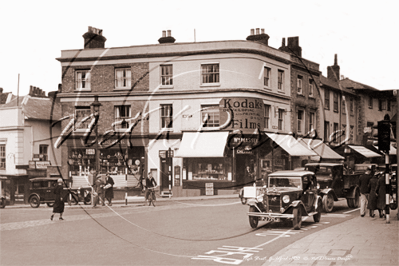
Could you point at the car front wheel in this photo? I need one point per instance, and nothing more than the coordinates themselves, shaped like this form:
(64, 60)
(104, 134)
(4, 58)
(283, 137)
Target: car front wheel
(253, 220)
(297, 221)
(34, 202)
(328, 202)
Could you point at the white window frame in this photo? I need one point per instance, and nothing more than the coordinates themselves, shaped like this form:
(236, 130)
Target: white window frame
(212, 77)
(299, 84)
(311, 88)
(267, 115)
(124, 79)
(85, 111)
(335, 101)
(82, 83)
(119, 117)
(327, 99)
(166, 116)
(312, 121)
(212, 111)
(280, 119)
(166, 75)
(301, 120)
(266, 76)
(370, 102)
(3, 157)
(280, 80)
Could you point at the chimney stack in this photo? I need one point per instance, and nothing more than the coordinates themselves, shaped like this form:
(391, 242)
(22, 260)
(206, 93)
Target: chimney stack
(166, 37)
(333, 71)
(94, 38)
(260, 37)
(292, 46)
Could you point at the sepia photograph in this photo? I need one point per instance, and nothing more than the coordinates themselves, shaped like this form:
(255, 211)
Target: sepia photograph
(199, 133)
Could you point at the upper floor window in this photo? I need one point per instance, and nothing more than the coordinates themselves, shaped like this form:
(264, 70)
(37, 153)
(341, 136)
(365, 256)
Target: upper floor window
(381, 105)
(388, 105)
(2, 156)
(300, 121)
(122, 113)
(335, 99)
(352, 128)
(167, 75)
(210, 113)
(82, 80)
(43, 152)
(327, 99)
(343, 106)
(166, 116)
(210, 73)
(82, 112)
(336, 133)
(280, 80)
(370, 102)
(280, 119)
(266, 77)
(267, 116)
(311, 88)
(299, 84)
(326, 131)
(311, 121)
(123, 78)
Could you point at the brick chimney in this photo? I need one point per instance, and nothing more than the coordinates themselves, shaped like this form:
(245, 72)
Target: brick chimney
(333, 71)
(166, 37)
(94, 38)
(259, 37)
(292, 47)
(36, 92)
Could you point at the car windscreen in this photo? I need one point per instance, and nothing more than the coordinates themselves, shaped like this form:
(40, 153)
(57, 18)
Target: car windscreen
(319, 169)
(285, 181)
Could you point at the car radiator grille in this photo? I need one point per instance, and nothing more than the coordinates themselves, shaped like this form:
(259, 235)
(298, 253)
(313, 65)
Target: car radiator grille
(274, 203)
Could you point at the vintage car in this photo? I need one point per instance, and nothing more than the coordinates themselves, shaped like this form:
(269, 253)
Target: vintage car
(288, 195)
(42, 191)
(334, 184)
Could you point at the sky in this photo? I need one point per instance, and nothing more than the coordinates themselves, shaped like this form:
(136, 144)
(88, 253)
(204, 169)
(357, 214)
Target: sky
(364, 34)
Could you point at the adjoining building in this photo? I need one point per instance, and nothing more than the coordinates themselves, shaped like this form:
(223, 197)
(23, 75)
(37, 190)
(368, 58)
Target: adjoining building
(26, 131)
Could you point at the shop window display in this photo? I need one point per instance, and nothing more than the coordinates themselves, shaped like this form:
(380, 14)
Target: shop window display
(208, 168)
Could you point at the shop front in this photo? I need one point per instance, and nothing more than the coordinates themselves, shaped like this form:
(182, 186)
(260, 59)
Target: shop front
(124, 161)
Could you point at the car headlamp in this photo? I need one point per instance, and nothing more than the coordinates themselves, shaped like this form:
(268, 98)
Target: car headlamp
(286, 198)
(318, 186)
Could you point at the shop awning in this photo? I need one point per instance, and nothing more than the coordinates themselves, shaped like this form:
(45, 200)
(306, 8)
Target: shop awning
(323, 150)
(392, 149)
(291, 145)
(364, 151)
(204, 144)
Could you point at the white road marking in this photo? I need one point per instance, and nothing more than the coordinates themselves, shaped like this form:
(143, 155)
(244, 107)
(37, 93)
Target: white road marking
(352, 210)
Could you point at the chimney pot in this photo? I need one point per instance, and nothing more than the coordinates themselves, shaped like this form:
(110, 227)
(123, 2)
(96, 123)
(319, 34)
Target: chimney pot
(94, 38)
(163, 33)
(1, 90)
(263, 31)
(257, 31)
(252, 32)
(169, 33)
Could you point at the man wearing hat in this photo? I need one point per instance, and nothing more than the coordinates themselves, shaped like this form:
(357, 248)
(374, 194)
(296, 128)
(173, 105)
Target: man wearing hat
(364, 189)
(109, 188)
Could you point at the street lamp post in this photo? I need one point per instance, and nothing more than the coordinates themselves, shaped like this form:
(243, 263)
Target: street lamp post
(96, 111)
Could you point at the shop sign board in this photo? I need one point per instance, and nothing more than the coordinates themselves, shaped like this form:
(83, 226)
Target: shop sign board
(247, 114)
(42, 164)
(209, 189)
(32, 164)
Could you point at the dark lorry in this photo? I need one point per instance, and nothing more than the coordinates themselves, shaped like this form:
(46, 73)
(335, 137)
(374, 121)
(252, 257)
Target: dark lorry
(334, 183)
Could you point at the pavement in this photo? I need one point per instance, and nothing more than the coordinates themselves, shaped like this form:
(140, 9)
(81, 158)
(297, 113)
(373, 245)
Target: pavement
(359, 241)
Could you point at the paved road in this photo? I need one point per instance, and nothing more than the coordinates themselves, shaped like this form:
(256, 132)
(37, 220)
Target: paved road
(211, 232)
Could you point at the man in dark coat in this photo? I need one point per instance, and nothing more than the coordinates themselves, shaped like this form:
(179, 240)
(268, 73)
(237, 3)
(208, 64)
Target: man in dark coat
(98, 191)
(364, 190)
(372, 202)
(381, 201)
(109, 188)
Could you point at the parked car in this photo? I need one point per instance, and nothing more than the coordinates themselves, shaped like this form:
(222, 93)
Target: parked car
(289, 195)
(42, 191)
(334, 184)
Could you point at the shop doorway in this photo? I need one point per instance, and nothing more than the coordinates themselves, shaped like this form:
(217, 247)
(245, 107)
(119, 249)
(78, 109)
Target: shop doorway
(164, 178)
(242, 161)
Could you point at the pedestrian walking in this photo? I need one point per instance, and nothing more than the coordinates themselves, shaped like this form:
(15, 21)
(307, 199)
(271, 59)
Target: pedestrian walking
(109, 188)
(372, 202)
(98, 191)
(364, 190)
(59, 203)
(381, 194)
(249, 176)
